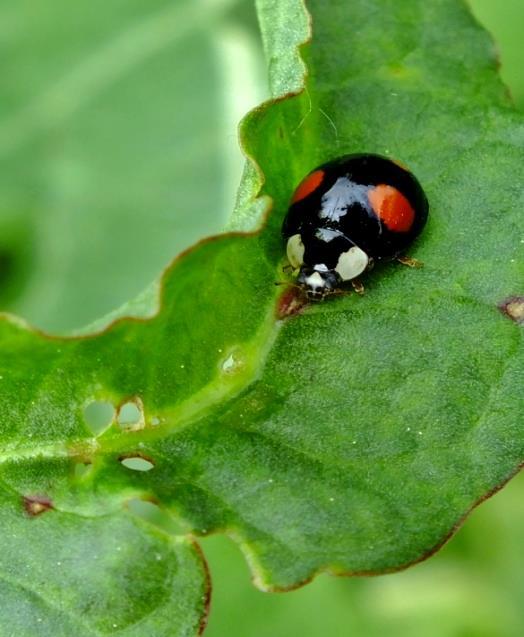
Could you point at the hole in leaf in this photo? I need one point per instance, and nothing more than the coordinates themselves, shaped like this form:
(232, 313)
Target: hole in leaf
(137, 463)
(98, 415)
(131, 415)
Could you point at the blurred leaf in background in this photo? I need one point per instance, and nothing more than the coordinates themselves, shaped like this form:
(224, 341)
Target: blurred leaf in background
(118, 149)
(117, 144)
(506, 22)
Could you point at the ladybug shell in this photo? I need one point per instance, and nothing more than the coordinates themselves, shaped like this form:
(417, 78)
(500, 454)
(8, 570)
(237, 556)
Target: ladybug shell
(375, 203)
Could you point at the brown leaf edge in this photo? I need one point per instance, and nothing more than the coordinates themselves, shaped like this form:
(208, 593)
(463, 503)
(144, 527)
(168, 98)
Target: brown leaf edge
(207, 595)
(258, 582)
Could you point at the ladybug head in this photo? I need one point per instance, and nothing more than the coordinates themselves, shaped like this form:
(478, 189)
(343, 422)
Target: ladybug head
(318, 283)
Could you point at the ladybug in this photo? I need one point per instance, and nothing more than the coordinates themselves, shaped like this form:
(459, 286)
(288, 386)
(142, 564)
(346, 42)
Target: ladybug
(345, 215)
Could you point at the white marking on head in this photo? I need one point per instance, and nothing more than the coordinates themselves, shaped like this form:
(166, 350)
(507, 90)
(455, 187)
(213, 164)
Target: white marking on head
(315, 281)
(351, 263)
(295, 251)
(320, 267)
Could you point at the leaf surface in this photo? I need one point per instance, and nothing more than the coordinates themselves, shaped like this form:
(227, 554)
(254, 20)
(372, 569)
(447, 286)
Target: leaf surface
(352, 437)
(62, 574)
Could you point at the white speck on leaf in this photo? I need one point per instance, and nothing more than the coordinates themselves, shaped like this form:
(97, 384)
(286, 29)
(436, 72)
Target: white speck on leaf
(229, 363)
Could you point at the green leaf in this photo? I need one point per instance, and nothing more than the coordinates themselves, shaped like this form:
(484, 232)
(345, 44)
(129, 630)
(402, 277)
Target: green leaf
(284, 26)
(471, 587)
(352, 437)
(62, 574)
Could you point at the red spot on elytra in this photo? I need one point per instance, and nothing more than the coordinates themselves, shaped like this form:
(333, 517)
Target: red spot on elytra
(392, 208)
(36, 505)
(309, 185)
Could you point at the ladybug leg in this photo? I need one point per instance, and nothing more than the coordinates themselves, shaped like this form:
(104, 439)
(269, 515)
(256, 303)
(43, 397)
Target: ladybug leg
(339, 292)
(358, 286)
(411, 263)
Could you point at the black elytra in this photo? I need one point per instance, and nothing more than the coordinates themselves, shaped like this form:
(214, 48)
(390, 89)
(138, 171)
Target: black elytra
(347, 213)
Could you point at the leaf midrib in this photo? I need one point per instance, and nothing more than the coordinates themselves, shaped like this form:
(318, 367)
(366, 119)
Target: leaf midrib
(115, 439)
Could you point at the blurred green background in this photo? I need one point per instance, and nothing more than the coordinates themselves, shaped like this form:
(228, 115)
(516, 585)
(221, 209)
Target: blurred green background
(118, 149)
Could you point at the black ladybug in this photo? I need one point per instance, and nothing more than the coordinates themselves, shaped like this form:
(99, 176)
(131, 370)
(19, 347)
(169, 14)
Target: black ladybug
(347, 213)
